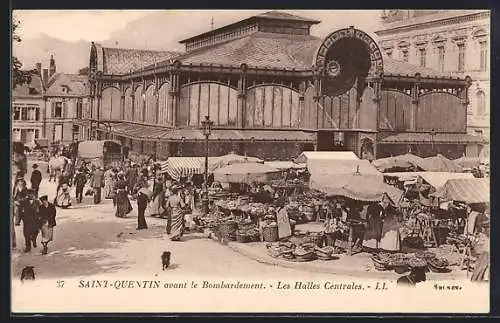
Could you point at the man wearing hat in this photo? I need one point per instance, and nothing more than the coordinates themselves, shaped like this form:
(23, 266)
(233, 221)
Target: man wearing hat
(29, 217)
(47, 217)
(36, 179)
(97, 183)
(80, 181)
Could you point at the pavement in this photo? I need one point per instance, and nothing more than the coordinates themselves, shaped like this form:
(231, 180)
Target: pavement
(90, 241)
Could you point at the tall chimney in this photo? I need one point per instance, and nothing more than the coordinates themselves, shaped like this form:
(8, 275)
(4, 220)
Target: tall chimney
(45, 77)
(38, 67)
(52, 67)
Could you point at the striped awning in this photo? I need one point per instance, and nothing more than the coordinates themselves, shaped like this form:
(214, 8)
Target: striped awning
(177, 167)
(473, 190)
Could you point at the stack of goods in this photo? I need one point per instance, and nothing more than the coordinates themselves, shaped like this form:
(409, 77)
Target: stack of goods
(386, 261)
(325, 253)
(304, 252)
(247, 232)
(281, 250)
(300, 253)
(316, 238)
(434, 263)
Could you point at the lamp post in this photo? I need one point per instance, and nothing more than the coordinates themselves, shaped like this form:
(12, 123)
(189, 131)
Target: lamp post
(207, 129)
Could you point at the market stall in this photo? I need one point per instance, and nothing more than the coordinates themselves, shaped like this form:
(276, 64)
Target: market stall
(404, 162)
(247, 173)
(440, 163)
(467, 190)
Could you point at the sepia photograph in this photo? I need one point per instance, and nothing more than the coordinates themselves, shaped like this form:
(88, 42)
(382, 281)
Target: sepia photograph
(250, 161)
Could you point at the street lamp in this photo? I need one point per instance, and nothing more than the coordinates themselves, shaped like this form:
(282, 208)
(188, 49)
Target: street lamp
(207, 129)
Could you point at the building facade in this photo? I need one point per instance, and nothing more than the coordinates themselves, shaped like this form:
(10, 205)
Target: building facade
(274, 90)
(65, 98)
(28, 108)
(456, 43)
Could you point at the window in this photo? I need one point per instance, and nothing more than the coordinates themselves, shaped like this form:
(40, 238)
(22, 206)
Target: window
(405, 55)
(58, 110)
(461, 57)
(58, 134)
(441, 58)
(423, 54)
(483, 63)
(37, 133)
(24, 113)
(17, 113)
(481, 103)
(79, 109)
(478, 133)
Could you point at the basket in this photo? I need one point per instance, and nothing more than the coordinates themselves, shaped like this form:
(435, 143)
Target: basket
(303, 238)
(228, 228)
(243, 238)
(270, 234)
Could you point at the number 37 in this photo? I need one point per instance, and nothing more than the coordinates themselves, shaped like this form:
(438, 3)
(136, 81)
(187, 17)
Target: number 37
(60, 283)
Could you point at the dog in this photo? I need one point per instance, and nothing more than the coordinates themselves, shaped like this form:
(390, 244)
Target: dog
(28, 273)
(165, 259)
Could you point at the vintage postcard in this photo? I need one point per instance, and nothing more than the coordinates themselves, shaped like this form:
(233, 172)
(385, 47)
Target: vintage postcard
(253, 161)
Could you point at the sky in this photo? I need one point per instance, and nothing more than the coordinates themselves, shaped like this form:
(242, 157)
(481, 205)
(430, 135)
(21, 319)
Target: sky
(99, 25)
(75, 25)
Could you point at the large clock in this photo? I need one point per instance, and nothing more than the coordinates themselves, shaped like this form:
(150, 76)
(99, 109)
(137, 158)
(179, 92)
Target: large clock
(333, 68)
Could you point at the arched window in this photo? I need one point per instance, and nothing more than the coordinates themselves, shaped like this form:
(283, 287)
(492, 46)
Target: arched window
(481, 103)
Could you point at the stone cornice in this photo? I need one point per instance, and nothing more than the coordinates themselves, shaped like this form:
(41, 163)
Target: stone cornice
(436, 23)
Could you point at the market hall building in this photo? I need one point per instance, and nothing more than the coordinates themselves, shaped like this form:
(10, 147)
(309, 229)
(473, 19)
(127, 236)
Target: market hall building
(273, 90)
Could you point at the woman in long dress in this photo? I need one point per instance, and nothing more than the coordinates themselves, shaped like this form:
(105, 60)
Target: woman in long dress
(109, 183)
(391, 237)
(373, 232)
(175, 228)
(63, 198)
(121, 200)
(158, 198)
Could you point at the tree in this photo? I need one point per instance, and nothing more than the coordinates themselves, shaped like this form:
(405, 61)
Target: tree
(84, 71)
(19, 76)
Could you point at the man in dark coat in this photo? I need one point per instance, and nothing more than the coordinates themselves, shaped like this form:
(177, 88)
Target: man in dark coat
(36, 179)
(80, 181)
(29, 217)
(97, 183)
(18, 195)
(47, 218)
(132, 175)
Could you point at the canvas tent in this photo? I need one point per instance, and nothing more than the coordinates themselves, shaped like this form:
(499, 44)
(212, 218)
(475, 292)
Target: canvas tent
(246, 173)
(285, 165)
(307, 156)
(440, 163)
(471, 190)
(402, 161)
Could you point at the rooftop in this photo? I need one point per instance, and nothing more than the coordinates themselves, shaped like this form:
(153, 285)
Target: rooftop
(439, 16)
(271, 15)
(68, 85)
(32, 89)
(124, 60)
(280, 51)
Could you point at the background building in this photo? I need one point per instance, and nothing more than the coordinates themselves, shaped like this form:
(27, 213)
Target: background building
(274, 90)
(456, 43)
(65, 98)
(28, 108)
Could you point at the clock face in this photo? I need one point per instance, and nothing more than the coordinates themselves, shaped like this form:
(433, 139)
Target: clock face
(333, 68)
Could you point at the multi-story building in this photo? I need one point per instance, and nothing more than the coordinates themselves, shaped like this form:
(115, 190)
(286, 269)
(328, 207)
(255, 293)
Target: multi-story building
(273, 90)
(28, 108)
(453, 42)
(65, 98)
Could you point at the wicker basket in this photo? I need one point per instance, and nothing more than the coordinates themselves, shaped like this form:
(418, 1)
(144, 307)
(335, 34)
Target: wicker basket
(303, 238)
(270, 234)
(228, 228)
(243, 238)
